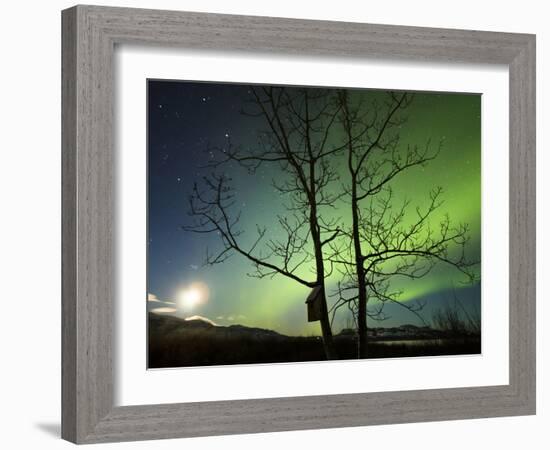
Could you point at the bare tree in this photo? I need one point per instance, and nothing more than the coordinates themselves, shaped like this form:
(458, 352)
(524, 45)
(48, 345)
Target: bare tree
(456, 320)
(298, 139)
(386, 240)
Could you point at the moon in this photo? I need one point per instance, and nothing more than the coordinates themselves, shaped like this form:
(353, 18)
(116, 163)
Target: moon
(192, 296)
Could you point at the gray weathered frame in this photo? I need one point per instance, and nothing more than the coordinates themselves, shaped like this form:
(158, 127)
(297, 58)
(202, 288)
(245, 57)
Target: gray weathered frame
(89, 36)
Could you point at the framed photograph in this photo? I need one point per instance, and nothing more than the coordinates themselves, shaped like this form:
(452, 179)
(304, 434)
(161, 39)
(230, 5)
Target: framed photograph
(256, 207)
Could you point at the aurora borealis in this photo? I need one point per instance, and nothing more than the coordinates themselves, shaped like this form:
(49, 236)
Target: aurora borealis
(187, 119)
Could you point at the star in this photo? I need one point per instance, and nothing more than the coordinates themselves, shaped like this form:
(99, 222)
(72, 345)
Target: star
(179, 179)
(160, 106)
(226, 135)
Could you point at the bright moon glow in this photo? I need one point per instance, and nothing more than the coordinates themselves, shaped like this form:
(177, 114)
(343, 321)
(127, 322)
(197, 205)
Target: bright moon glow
(194, 295)
(191, 297)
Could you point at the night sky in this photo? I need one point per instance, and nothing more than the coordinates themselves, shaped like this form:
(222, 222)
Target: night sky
(186, 119)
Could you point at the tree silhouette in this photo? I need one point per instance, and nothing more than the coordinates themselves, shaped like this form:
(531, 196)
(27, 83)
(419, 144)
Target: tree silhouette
(298, 139)
(306, 131)
(386, 241)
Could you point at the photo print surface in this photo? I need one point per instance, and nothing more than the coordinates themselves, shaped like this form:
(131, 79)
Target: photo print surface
(292, 224)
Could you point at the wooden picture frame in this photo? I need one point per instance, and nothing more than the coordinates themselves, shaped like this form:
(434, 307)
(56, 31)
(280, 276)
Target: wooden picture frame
(90, 34)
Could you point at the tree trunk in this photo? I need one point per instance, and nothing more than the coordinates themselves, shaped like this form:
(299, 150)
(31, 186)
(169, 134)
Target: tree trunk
(362, 322)
(328, 342)
(360, 272)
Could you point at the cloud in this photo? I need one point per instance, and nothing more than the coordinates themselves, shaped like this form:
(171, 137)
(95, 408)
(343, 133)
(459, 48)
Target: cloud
(158, 306)
(163, 310)
(153, 298)
(231, 317)
(204, 319)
